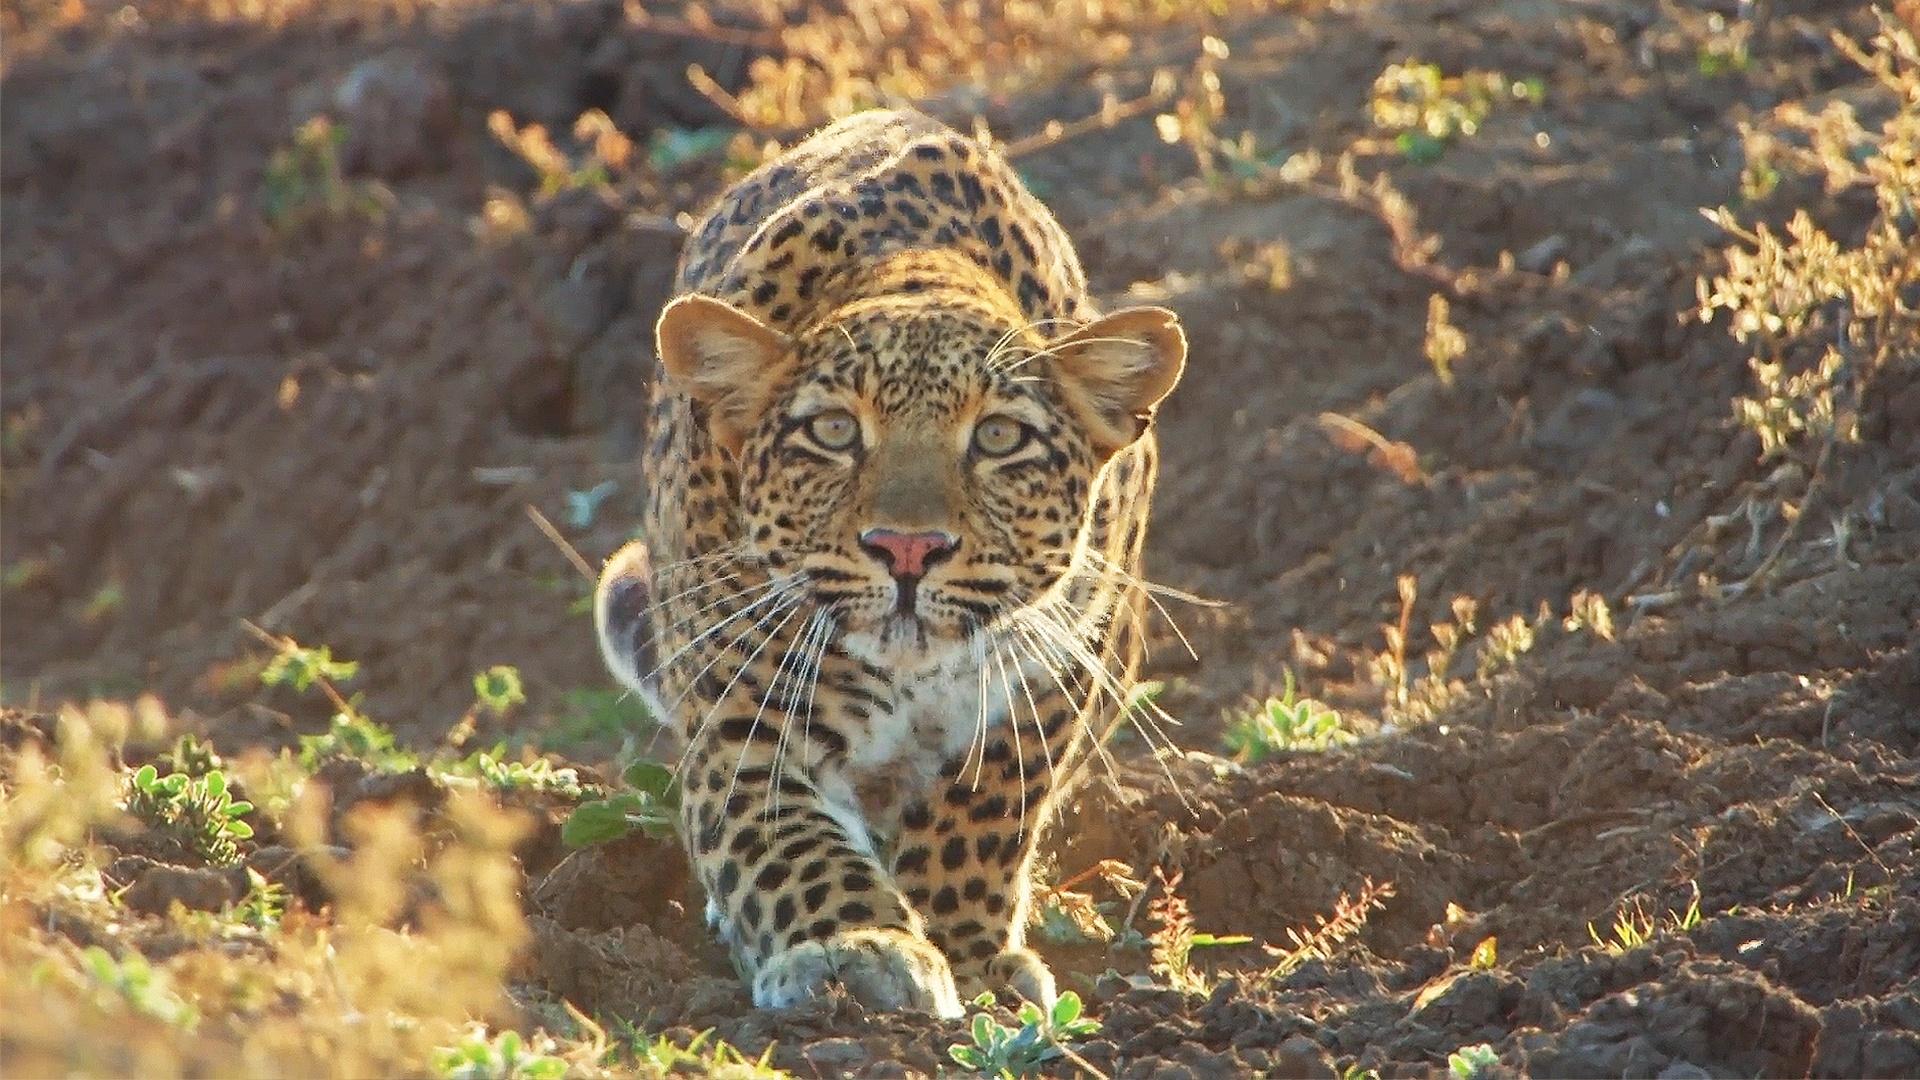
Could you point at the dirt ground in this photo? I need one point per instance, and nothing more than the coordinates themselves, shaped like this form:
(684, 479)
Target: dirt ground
(332, 425)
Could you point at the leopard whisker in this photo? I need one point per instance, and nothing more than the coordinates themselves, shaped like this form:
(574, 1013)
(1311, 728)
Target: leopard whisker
(1013, 726)
(1054, 350)
(724, 551)
(746, 745)
(789, 603)
(773, 588)
(809, 655)
(979, 740)
(813, 685)
(1033, 706)
(1079, 696)
(1045, 620)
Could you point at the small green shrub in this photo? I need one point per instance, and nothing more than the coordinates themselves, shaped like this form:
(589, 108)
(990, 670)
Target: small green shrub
(131, 980)
(352, 735)
(300, 667)
(702, 1056)
(1633, 926)
(305, 180)
(494, 768)
(1471, 1062)
(1425, 109)
(1288, 722)
(999, 1050)
(507, 1057)
(498, 689)
(650, 804)
(197, 814)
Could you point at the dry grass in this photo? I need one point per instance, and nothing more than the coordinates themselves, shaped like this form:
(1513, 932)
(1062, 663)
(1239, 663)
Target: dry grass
(374, 985)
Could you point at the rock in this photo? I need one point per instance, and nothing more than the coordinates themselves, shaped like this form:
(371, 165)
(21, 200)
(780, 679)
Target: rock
(1581, 421)
(1541, 257)
(397, 110)
(157, 886)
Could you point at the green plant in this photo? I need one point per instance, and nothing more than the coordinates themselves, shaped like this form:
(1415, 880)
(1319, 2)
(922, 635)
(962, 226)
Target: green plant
(1350, 915)
(1444, 342)
(607, 150)
(133, 981)
(1424, 109)
(300, 667)
(1470, 1062)
(1825, 315)
(198, 814)
(498, 689)
(703, 1055)
(1422, 699)
(352, 735)
(1633, 926)
(264, 904)
(23, 573)
(1288, 722)
(595, 715)
(190, 756)
(1173, 939)
(106, 600)
(1065, 916)
(1725, 51)
(1506, 642)
(305, 180)
(1001, 1050)
(650, 804)
(507, 1057)
(493, 767)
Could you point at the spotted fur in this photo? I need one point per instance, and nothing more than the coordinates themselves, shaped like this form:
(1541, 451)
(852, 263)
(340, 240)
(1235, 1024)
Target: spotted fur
(883, 330)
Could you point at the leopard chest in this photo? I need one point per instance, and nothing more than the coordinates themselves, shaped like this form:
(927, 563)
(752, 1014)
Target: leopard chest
(935, 717)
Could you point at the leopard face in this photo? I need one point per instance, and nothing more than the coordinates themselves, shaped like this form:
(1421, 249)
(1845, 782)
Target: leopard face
(926, 466)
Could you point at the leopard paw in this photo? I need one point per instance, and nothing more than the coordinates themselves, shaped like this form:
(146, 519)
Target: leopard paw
(1018, 970)
(882, 969)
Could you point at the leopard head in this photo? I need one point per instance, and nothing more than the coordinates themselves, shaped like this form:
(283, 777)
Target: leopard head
(927, 462)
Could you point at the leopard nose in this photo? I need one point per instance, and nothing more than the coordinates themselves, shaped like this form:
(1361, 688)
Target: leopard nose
(908, 554)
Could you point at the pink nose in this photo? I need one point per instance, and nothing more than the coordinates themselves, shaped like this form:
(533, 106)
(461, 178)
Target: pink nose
(908, 554)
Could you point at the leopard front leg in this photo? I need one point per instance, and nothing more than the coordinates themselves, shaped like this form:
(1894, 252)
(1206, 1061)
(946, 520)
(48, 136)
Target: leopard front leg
(796, 890)
(964, 856)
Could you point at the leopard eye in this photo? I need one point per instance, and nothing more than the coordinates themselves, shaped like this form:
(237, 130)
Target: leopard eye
(835, 429)
(998, 436)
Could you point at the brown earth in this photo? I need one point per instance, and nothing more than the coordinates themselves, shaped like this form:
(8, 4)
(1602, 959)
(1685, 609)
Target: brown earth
(332, 426)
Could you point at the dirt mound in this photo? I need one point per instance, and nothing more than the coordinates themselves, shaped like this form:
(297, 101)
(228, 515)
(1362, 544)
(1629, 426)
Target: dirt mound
(314, 375)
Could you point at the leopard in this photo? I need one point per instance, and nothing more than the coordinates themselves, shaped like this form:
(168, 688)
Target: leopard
(886, 589)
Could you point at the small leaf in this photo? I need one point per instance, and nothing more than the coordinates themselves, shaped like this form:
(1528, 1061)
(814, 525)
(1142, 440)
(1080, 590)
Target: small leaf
(595, 822)
(982, 1029)
(1066, 1009)
(649, 777)
(145, 777)
(239, 830)
(1486, 955)
(216, 783)
(1216, 940)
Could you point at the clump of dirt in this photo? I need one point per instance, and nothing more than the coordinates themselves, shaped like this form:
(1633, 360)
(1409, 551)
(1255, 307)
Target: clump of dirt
(323, 398)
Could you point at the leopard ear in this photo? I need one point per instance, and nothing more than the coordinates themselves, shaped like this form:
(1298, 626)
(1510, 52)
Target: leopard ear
(1117, 369)
(723, 358)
